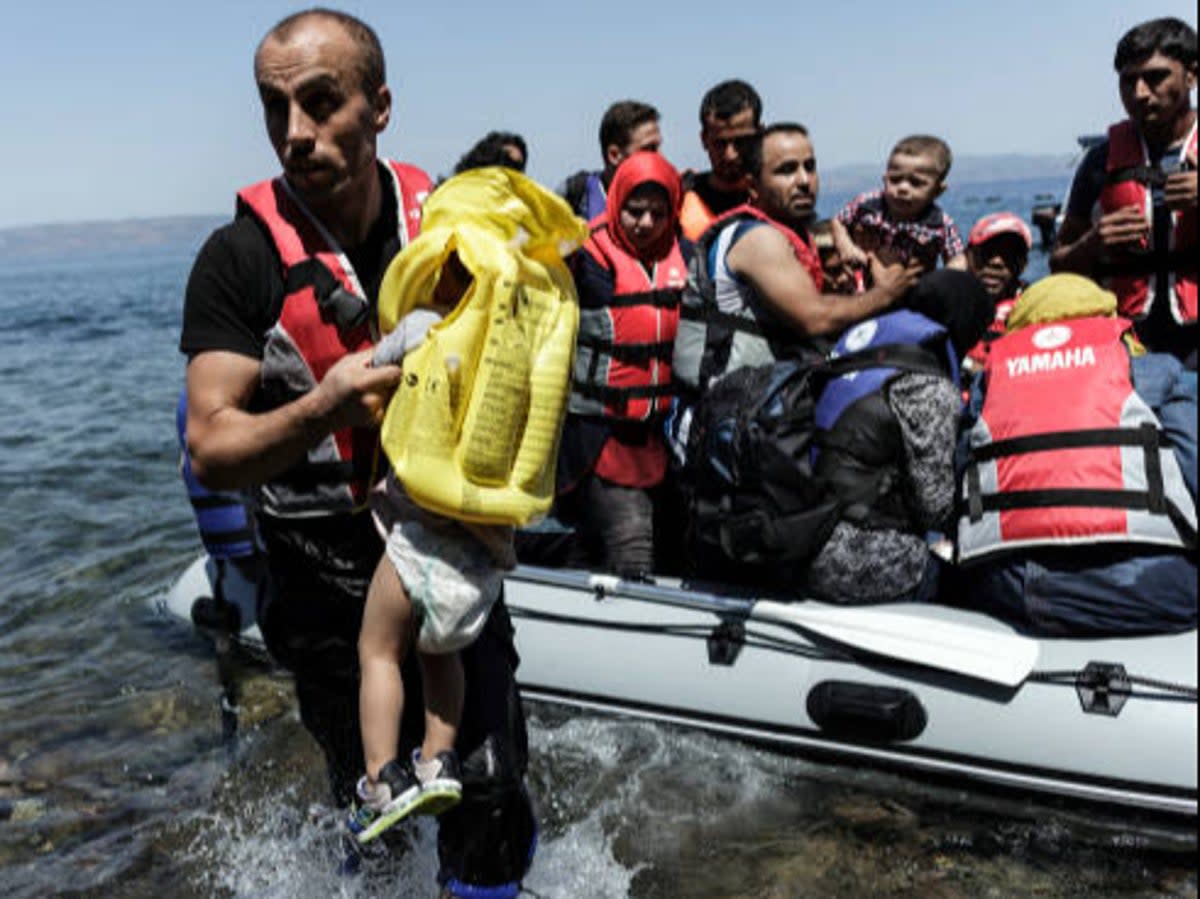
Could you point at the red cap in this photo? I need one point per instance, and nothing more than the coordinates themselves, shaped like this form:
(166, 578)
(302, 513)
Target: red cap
(1000, 223)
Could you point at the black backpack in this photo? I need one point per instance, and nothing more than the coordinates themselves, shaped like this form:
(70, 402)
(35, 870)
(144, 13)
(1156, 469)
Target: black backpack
(759, 512)
(574, 191)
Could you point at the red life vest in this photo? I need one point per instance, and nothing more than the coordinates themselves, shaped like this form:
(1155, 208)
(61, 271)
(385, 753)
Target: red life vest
(711, 342)
(623, 350)
(978, 353)
(326, 315)
(1044, 470)
(1127, 172)
(805, 249)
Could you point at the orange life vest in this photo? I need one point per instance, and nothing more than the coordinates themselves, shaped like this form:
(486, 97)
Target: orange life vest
(978, 353)
(694, 216)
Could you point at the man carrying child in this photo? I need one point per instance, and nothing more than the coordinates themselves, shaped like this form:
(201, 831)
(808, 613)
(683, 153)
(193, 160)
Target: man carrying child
(282, 399)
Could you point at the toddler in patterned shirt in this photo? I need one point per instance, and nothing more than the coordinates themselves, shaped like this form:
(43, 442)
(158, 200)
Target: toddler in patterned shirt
(903, 221)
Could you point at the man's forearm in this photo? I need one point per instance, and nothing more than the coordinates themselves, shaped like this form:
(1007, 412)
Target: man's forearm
(1076, 249)
(834, 313)
(234, 449)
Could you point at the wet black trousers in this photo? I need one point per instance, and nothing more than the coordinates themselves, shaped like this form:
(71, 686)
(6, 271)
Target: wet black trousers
(310, 618)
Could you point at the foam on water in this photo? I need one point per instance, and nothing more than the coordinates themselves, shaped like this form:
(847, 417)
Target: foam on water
(617, 795)
(633, 808)
(616, 799)
(580, 863)
(271, 849)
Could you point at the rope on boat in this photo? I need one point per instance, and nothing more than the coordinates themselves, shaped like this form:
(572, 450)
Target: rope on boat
(1065, 677)
(1071, 678)
(751, 638)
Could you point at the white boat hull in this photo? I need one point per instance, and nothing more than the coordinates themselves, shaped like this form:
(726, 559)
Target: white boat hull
(703, 659)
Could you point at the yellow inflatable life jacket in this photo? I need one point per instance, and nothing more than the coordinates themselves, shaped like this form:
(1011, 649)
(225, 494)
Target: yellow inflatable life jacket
(472, 431)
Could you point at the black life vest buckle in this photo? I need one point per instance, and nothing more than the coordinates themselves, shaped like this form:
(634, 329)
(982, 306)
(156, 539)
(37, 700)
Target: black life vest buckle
(336, 305)
(344, 309)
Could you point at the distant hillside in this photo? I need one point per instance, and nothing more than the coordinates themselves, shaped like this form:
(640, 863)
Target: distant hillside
(185, 232)
(966, 170)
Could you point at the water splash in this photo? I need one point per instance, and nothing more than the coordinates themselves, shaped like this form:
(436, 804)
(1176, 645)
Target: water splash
(272, 849)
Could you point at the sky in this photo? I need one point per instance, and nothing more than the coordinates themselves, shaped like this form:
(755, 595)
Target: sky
(132, 108)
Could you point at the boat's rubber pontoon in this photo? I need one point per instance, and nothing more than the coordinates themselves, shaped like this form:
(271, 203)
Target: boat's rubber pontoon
(923, 688)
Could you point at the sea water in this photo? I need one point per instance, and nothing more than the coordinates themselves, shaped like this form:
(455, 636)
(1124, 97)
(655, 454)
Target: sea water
(115, 780)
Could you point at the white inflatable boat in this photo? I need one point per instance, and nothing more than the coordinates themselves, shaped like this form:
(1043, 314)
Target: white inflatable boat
(923, 688)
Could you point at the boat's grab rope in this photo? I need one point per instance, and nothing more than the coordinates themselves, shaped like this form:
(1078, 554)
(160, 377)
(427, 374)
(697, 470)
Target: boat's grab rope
(749, 637)
(1065, 677)
(1071, 678)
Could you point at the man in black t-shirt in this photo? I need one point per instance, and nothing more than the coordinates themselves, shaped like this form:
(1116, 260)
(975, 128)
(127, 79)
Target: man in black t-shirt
(1131, 212)
(278, 328)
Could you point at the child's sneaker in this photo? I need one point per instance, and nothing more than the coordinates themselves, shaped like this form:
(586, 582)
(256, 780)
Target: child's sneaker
(399, 794)
(380, 806)
(439, 777)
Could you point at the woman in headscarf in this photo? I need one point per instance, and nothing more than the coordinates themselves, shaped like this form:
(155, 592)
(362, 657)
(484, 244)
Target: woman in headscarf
(630, 276)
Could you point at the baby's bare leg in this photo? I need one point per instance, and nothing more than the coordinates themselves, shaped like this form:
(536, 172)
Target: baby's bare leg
(442, 676)
(382, 645)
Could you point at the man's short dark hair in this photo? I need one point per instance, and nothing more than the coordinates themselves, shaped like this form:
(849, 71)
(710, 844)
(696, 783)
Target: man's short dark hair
(492, 149)
(729, 98)
(621, 120)
(372, 72)
(926, 145)
(752, 150)
(1171, 37)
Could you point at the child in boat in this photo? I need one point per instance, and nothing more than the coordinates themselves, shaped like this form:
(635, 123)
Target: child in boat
(997, 252)
(436, 583)
(839, 275)
(903, 221)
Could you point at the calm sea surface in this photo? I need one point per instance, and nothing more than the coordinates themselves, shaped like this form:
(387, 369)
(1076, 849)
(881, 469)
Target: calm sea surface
(113, 777)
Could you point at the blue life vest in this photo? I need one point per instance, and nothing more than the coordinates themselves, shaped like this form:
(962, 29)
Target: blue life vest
(594, 198)
(899, 328)
(223, 517)
(859, 445)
